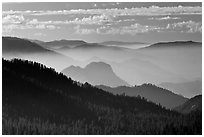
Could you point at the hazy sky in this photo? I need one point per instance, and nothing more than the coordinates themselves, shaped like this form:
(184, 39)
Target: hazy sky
(97, 22)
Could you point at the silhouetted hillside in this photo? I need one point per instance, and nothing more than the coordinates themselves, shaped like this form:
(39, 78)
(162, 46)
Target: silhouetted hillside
(193, 104)
(95, 73)
(13, 45)
(151, 92)
(37, 100)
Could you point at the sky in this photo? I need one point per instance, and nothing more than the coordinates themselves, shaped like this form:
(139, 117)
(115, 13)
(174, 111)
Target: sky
(103, 21)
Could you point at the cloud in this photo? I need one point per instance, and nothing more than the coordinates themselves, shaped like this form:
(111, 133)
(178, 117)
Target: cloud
(9, 28)
(142, 11)
(52, 27)
(138, 28)
(186, 26)
(106, 19)
(83, 31)
(35, 21)
(102, 19)
(129, 20)
(132, 29)
(95, 5)
(91, 20)
(43, 26)
(125, 20)
(165, 18)
(12, 22)
(13, 19)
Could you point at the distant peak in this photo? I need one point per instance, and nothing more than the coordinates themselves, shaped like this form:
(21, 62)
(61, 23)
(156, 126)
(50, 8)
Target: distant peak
(99, 66)
(74, 67)
(100, 63)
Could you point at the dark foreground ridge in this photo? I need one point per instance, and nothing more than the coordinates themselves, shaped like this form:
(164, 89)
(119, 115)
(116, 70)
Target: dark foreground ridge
(38, 100)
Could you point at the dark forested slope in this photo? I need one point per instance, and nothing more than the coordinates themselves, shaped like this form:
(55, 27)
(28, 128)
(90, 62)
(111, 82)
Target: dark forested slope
(37, 100)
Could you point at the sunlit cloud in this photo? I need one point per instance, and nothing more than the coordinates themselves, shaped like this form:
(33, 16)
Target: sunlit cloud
(142, 11)
(12, 22)
(165, 18)
(95, 5)
(91, 20)
(83, 31)
(11, 27)
(186, 26)
(132, 29)
(13, 19)
(106, 20)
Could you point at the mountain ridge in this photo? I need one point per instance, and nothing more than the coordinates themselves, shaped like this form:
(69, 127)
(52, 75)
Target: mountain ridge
(95, 73)
(13, 47)
(173, 44)
(14, 44)
(153, 93)
(120, 43)
(63, 43)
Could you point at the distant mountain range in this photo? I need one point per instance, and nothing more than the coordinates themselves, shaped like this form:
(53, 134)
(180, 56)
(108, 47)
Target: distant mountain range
(121, 43)
(63, 43)
(193, 104)
(187, 89)
(17, 45)
(181, 58)
(175, 44)
(73, 48)
(151, 92)
(95, 73)
(13, 47)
